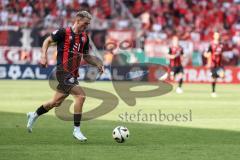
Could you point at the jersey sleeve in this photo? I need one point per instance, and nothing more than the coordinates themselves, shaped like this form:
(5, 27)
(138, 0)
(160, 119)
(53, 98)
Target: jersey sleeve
(181, 51)
(86, 46)
(58, 35)
(209, 49)
(169, 50)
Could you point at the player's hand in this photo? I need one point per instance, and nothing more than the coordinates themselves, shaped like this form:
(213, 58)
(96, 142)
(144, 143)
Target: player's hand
(43, 62)
(101, 69)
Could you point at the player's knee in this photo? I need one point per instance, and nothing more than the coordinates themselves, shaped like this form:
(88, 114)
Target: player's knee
(222, 75)
(180, 75)
(81, 97)
(213, 79)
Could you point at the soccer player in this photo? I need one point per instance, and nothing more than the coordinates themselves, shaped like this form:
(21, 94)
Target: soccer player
(214, 57)
(175, 55)
(72, 44)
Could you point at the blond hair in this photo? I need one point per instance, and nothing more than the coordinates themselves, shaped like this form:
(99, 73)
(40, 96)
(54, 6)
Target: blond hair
(83, 14)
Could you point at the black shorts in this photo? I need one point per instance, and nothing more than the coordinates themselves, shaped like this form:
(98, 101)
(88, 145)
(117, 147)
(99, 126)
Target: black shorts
(65, 81)
(176, 70)
(215, 71)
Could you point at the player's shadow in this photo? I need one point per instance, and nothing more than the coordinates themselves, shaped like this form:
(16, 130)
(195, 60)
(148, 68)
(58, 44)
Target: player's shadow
(51, 134)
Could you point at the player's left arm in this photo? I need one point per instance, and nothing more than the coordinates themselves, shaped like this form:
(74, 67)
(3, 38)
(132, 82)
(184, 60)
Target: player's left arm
(92, 59)
(208, 52)
(182, 54)
(169, 55)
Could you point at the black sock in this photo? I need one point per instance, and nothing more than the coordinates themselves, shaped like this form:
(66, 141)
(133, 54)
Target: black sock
(213, 86)
(77, 118)
(41, 110)
(180, 83)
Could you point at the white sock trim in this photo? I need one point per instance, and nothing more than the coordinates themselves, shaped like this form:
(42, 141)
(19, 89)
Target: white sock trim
(77, 128)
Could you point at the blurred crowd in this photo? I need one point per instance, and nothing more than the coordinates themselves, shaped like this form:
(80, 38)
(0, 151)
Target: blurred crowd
(160, 19)
(48, 13)
(191, 20)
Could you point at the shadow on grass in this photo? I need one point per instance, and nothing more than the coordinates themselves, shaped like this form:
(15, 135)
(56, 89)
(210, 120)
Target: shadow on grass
(51, 131)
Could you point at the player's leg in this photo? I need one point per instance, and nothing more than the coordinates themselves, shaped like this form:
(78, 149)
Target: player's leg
(172, 73)
(79, 97)
(179, 74)
(221, 72)
(56, 101)
(216, 73)
(180, 82)
(214, 81)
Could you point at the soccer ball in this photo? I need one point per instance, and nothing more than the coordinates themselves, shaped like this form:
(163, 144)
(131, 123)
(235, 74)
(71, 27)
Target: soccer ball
(120, 134)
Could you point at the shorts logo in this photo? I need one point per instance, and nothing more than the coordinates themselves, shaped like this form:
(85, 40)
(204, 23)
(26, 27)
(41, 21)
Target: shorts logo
(83, 39)
(71, 80)
(54, 32)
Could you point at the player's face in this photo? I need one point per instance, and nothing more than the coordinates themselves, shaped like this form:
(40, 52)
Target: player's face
(175, 41)
(216, 36)
(82, 23)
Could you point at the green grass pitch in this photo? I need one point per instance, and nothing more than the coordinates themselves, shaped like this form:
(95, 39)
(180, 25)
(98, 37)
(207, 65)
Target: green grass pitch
(213, 133)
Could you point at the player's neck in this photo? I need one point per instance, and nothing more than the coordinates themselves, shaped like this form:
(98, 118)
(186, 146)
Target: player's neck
(216, 41)
(175, 46)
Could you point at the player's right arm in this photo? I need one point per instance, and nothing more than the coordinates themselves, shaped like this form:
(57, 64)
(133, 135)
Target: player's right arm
(45, 46)
(170, 55)
(55, 37)
(208, 52)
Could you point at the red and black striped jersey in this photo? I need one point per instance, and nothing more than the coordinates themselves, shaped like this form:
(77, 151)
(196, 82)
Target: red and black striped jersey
(176, 50)
(216, 54)
(70, 49)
